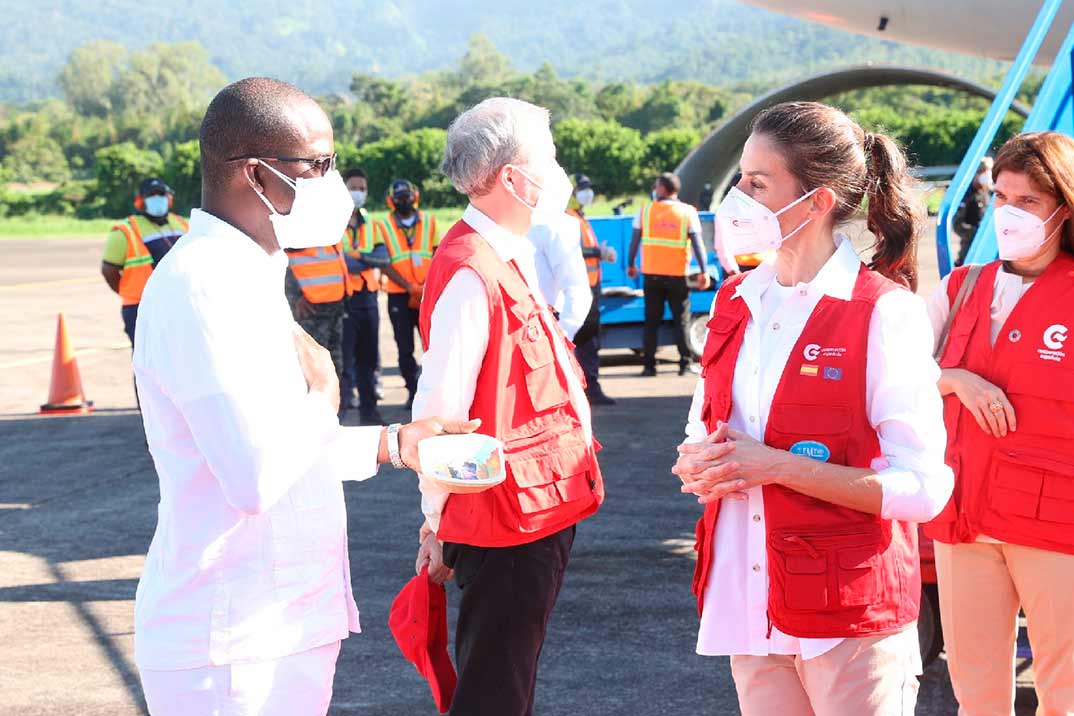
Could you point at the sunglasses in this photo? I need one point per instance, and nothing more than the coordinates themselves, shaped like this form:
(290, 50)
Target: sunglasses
(323, 165)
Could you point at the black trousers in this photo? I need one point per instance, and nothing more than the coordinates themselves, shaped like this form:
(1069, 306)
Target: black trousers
(361, 352)
(673, 291)
(507, 598)
(404, 323)
(587, 344)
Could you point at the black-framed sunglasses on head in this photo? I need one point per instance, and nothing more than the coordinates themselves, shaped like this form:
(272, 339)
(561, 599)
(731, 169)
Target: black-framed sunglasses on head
(323, 165)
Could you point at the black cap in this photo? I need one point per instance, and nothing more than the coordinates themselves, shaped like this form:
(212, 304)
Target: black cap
(152, 186)
(581, 181)
(401, 187)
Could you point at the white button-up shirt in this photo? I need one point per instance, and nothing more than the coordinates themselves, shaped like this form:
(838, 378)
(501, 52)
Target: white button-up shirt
(249, 559)
(459, 337)
(561, 269)
(904, 407)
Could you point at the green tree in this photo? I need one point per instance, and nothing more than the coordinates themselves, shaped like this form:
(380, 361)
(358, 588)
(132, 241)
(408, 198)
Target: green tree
(182, 171)
(120, 169)
(618, 99)
(35, 157)
(89, 78)
(483, 63)
(610, 154)
(163, 80)
(665, 148)
(415, 156)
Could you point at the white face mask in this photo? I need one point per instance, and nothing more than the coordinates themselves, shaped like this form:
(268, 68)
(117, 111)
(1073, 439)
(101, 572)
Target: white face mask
(359, 198)
(1020, 234)
(554, 194)
(319, 213)
(584, 196)
(749, 227)
(156, 206)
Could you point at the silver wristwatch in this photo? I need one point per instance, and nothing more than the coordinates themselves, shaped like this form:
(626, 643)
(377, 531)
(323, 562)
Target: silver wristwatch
(393, 445)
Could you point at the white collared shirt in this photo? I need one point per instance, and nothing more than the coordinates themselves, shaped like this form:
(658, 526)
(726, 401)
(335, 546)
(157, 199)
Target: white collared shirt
(561, 269)
(904, 407)
(459, 337)
(249, 559)
(1007, 291)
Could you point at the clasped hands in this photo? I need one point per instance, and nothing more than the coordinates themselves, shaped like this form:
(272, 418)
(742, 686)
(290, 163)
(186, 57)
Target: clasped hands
(725, 464)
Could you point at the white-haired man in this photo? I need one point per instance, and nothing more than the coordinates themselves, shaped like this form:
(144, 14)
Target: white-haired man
(494, 350)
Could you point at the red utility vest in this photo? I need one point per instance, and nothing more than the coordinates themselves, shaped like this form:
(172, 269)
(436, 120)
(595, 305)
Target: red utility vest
(1020, 488)
(522, 397)
(833, 571)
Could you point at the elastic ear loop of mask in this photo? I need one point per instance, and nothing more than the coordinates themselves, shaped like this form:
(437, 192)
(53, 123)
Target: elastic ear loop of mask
(286, 180)
(797, 201)
(518, 198)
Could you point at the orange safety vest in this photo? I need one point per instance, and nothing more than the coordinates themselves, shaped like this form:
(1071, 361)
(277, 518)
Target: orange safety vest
(321, 273)
(665, 246)
(589, 241)
(356, 243)
(410, 260)
(138, 264)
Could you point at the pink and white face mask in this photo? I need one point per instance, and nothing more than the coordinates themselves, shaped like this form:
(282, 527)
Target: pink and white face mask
(1019, 233)
(749, 227)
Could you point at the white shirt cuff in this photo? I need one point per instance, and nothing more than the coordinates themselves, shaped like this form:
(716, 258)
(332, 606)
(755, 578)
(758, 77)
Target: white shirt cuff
(909, 496)
(356, 452)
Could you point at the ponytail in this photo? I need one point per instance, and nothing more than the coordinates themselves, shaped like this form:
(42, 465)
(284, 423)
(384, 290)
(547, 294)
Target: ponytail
(821, 146)
(894, 216)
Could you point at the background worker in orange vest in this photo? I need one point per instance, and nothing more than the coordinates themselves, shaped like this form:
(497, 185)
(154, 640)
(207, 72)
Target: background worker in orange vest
(138, 243)
(587, 339)
(361, 326)
(666, 229)
(411, 238)
(317, 285)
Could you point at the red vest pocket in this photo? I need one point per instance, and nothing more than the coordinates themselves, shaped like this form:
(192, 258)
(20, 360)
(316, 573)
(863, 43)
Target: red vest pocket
(543, 383)
(1043, 399)
(1031, 498)
(859, 576)
(814, 428)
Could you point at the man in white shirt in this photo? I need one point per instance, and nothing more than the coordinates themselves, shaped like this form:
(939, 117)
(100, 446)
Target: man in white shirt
(246, 595)
(561, 273)
(494, 352)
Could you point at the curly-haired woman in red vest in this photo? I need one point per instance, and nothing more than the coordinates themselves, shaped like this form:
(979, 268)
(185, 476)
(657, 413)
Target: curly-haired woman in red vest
(1006, 538)
(816, 437)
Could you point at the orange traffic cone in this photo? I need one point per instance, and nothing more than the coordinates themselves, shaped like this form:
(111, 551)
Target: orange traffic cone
(65, 392)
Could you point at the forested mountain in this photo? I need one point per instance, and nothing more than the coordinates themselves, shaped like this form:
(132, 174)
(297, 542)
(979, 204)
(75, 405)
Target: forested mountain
(320, 44)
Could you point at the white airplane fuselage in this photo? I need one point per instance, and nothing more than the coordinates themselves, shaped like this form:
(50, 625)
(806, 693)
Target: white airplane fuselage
(988, 28)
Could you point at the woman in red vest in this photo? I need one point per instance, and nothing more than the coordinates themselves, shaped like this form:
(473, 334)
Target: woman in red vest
(815, 440)
(1006, 539)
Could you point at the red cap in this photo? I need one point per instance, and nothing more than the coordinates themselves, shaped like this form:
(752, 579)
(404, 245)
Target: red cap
(418, 621)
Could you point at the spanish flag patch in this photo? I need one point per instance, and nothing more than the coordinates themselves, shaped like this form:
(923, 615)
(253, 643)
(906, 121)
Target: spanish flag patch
(810, 370)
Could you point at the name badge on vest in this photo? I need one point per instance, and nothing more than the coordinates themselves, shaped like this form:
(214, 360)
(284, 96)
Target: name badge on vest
(812, 449)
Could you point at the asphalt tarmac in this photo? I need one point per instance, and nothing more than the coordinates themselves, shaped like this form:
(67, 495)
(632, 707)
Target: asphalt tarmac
(78, 508)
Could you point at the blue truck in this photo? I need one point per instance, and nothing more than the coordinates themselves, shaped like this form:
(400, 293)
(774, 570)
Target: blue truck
(622, 308)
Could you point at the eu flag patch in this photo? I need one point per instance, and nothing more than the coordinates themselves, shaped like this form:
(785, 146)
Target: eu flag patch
(831, 373)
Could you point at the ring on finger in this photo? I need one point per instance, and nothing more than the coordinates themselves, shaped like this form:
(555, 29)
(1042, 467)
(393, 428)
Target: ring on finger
(996, 407)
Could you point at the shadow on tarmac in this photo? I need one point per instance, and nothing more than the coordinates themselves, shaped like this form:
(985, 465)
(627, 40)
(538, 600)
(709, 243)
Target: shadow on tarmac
(621, 640)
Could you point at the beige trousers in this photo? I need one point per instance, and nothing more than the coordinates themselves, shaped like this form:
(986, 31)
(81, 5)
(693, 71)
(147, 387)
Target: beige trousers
(871, 676)
(982, 586)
